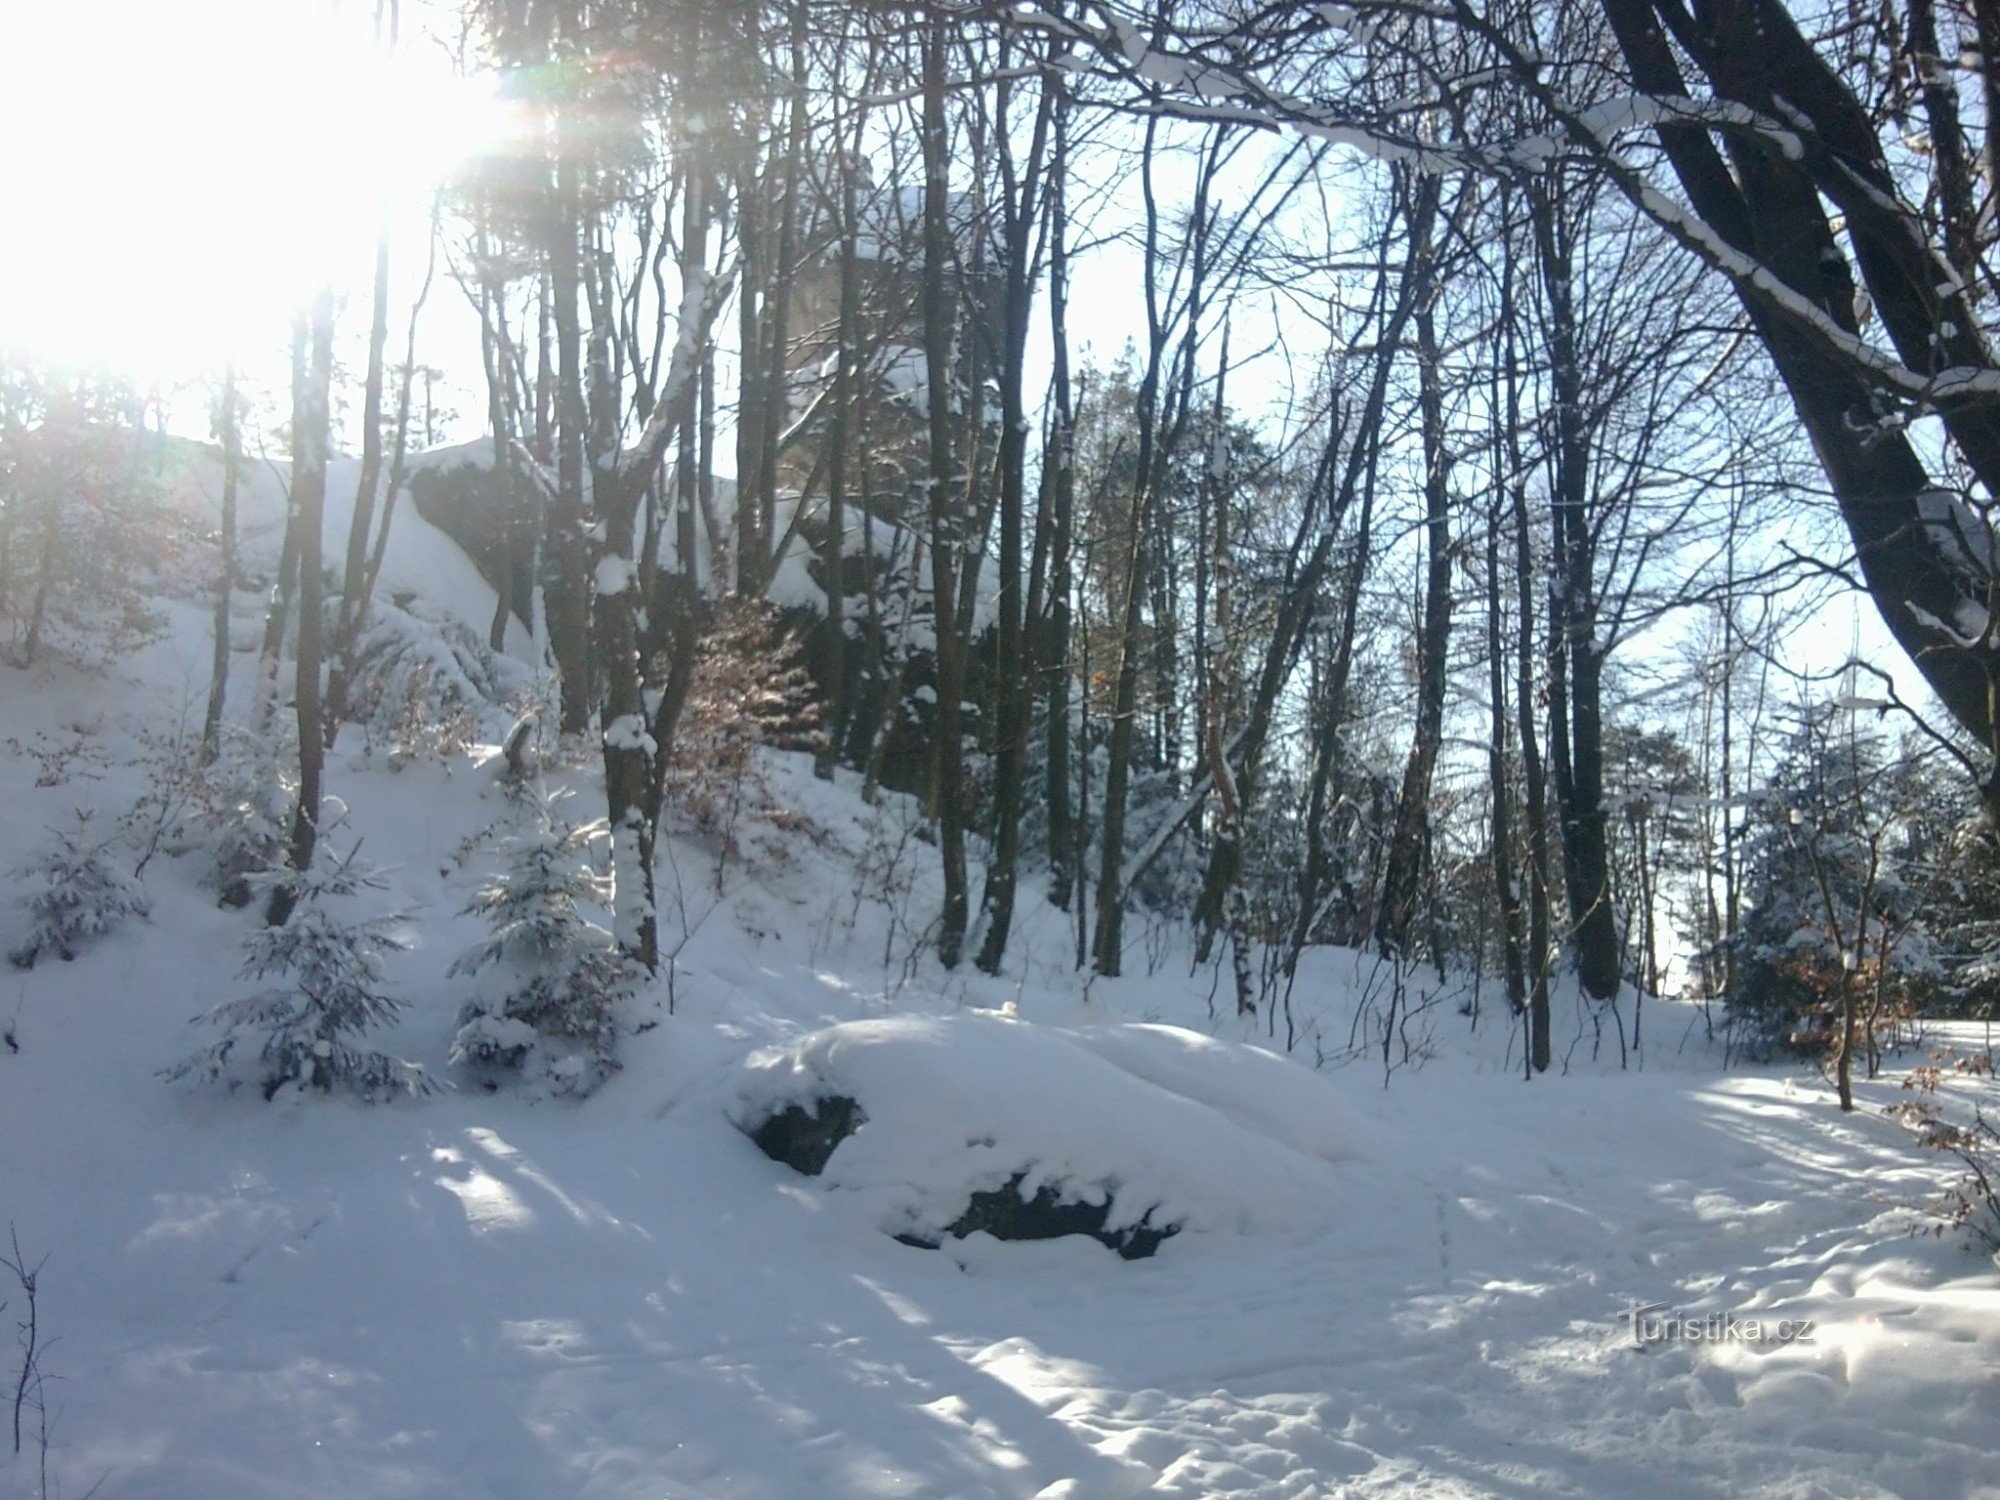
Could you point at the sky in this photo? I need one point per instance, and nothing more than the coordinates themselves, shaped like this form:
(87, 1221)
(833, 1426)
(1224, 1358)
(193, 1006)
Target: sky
(192, 173)
(184, 176)
(179, 177)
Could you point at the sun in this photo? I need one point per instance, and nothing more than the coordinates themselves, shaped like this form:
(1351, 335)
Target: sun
(179, 177)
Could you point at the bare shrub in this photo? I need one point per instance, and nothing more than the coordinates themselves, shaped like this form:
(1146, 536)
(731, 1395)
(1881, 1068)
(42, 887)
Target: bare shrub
(749, 688)
(423, 686)
(1971, 1203)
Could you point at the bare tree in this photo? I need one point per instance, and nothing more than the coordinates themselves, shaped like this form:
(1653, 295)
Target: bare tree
(311, 424)
(1023, 195)
(939, 328)
(227, 419)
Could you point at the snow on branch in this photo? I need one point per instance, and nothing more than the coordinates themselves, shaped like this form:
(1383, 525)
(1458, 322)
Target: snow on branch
(701, 299)
(542, 476)
(1209, 71)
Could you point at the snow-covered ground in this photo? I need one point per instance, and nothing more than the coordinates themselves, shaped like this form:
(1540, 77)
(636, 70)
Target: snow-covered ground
(1415, 1284)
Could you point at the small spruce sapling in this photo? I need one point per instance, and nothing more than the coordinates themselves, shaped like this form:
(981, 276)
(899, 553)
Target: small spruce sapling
(245, 803)
(75, 895)
(299, 1033)
(546, 1008)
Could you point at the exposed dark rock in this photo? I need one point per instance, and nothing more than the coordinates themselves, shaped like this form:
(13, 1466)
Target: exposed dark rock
(1006, 1214)
(488, 512)
(803, 1141)
(516, 750)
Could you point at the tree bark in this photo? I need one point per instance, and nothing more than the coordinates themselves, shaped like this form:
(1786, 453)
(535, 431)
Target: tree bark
(1401, 881)
(1060, 462)
(1771, 209)
(938, 323)
(225, 583)
(1021, 207)
(566, 551)
(353, 600)
(311, 420)
(637, 718)
(1577, 655)
(847, 331)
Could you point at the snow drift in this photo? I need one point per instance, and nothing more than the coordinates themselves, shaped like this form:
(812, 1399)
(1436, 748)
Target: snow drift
(1163, 1127)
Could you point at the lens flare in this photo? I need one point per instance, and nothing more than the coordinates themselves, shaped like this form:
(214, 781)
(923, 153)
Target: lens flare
(179, 177)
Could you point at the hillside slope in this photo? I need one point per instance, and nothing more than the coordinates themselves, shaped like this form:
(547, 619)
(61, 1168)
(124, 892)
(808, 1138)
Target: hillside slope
(1410, 1289)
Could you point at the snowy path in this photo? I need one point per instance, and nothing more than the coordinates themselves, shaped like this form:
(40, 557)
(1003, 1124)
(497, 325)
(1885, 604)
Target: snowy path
(470, 1300)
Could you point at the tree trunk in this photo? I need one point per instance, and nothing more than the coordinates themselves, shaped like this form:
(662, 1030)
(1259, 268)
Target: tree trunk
(846, 332)
(1021, 205)
(637, 718)
(938, 322)
(225, 583)
(1772, 209)
(1218, 688)
(1534, 784)
(566, 551)
(1577, 655)
(1060, 461)
(1402, 880)
(1155, 441)
(399, 454)
(353, 601)
(626, 738)
(1506, 884)
(277, 611)
(311, 420)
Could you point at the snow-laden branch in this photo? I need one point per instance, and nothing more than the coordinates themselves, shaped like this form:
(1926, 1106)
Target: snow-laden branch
(541, 474)
(701, 300)
(1212, 90)
(1197, 793)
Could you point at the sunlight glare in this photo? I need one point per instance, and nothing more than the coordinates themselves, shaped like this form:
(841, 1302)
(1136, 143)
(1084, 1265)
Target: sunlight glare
(179, 177)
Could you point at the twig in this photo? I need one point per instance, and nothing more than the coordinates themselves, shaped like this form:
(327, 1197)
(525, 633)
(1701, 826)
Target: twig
(28, 1384)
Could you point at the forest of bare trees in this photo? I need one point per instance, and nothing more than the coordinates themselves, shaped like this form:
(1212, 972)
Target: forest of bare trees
(1430, 551)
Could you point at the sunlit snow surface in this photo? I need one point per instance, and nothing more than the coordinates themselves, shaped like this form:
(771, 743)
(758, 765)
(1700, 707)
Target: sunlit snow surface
(1415, 1289)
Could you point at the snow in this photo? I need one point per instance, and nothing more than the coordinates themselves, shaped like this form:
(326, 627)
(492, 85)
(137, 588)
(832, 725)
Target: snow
(1410, 1279)
(614, 575)
(629, 732)
(1096, 1115)
(1167, 72)
(420, 562)
(905, 375)
(1694, 235)
(1621, 112)
(1971, 627)
(1961, 531)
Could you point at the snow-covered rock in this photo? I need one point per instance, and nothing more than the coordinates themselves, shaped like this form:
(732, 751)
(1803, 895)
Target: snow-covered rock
(1159, 1125)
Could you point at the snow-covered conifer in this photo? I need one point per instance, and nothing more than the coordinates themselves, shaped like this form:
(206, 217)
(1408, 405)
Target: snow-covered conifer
(1834, 906)
(75, 894)
(549, 978)
(300, 1032)
(248, 822)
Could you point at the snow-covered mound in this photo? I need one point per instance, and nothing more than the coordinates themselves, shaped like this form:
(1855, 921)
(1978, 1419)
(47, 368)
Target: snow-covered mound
(1161, 1125)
